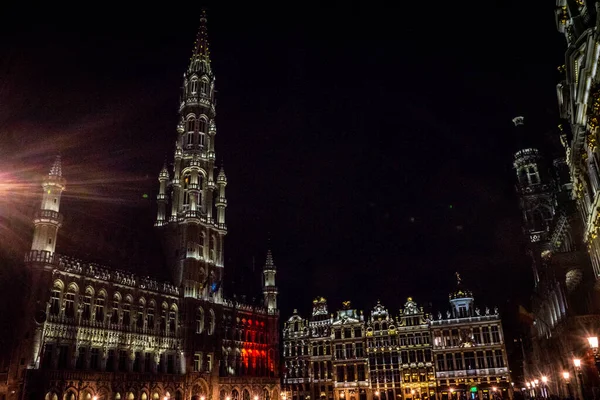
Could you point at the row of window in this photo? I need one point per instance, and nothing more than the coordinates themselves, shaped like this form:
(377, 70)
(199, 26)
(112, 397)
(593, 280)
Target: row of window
(403, 357)
(470, 360)
(476, 335)
(61, 356)
(349, 351)
(402, 340)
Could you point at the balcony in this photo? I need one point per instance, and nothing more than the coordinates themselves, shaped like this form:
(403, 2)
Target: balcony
(41, 256)
(48, 216)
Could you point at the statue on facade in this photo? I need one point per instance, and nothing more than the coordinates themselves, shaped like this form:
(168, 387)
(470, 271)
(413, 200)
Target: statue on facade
(477, 311)
(487, 311)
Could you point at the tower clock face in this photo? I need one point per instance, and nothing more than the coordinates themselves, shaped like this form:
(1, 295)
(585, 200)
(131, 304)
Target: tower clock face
(40, 317)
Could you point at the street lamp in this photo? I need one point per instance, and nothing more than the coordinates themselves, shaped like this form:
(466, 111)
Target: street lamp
(377, 393)
(577, 364)
(566, 377)
(255, 397)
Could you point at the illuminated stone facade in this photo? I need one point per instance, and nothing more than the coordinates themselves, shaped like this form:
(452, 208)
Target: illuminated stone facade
(564, 304)
(95, 333)
(413, 355)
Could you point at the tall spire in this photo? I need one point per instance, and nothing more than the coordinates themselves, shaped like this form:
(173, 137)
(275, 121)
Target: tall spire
(56, 169)
(201, 44)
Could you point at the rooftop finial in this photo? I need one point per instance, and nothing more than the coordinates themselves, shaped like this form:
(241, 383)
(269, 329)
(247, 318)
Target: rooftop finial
(56, 169)
(458, 278)
(201, 45)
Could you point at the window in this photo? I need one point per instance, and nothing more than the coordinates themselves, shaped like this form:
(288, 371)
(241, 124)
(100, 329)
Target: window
(172, 321)
(209, 365)
(495, 334)
(115, 313)
(55, 302)
(480, 360)
(100, 308)
(359, 350)
(340, 373)
(95, 359)
(458, 359)
(533, 175)
(350, 372)
(122, 360)
(347, 333)
(70, 305)
(197, 362)
(489, 357)
(194, 86)
(349, 351)
(486, 334)
(339, 352)
(150, 317)
(204, 86)
(87, 306)
(357, 332)
(126, 314)
(499, 359)
(338, 334)
(211, 326)
(477, 335)
(199, 320)
(170, 364)
(440, 362)
(140, 316)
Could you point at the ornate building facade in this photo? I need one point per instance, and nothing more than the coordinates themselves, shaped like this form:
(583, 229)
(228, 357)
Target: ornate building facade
(412, 355)
(564, 299)
(96, 333)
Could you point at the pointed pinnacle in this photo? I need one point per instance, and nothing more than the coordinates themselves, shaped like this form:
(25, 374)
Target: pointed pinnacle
(201, 45)
(269, 264)
(56, 169)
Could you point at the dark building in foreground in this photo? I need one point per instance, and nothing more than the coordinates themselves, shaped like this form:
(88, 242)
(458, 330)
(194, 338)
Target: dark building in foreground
(460, 354)
(91, 332)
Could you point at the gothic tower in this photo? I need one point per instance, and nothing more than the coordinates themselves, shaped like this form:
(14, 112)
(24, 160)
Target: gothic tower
(195, 227)
(536, 195)
(269, 288)
(47, 219)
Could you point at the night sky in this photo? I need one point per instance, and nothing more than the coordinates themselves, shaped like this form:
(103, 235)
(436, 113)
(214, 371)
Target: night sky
(373, 145)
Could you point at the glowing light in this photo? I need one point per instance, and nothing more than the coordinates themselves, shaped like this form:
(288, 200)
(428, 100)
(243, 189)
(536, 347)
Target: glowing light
(494, 388)
(255, 397)
(593, 340)
(377, 393)
(544, 379)
(527, 384)
(536, 381)
(145, 195)
(566, 375)
(577, 362)
(202, 398)
(451, 390)
(95, 398)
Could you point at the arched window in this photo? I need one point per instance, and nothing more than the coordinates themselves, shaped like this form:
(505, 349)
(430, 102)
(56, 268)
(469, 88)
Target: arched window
(266, 394)
(178, 395)
(172, 320)
(150, 315)
(55, 298)
(222, 395)
(202, 131)
(114, 319)
(204, 86)
(186, 193)
(246, 395)
(70, 302)
(201, 244)
(87, 303)
(99, 307)
(140, 313)
(194, 85)
(127, 311)
(163, 318)
(211, 322)
(213, 248)
(199, 320)
(190, 128)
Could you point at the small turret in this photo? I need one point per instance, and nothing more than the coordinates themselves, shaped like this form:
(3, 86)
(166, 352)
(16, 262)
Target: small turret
(161, 198)
(269, 288)
(47, 219)
(221, 200)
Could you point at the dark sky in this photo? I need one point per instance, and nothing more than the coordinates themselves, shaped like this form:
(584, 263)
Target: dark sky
(373, 143)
